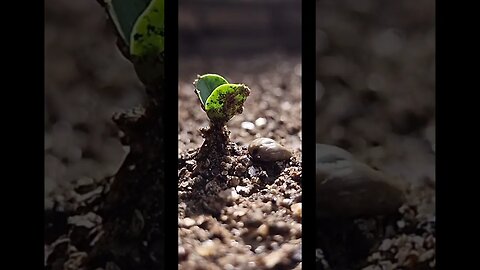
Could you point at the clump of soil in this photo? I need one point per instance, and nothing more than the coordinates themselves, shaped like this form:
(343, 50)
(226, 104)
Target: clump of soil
(235, 213)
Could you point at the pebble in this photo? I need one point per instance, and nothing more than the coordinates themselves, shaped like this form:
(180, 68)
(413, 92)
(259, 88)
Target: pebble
(85, 185)
(273, 259)
(244, 190)
(188, 222)
(427, 255)
(229, 194)
(207, 249)
(88, 221)
(349, 188)
(386, 245)
(248, 125)
(266, 149)
(297, 209)
(262, 230)
(260, 122)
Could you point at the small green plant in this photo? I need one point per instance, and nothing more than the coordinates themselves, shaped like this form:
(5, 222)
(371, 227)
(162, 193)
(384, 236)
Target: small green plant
(140, 26)
(220, 99)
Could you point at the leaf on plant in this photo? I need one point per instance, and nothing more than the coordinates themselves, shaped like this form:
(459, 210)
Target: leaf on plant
(147, 36)
(124, 14)
(226, 101)
(205, 84)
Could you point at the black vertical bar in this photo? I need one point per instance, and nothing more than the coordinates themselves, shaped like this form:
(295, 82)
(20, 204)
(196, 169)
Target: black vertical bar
(308, 131)
(171, 134)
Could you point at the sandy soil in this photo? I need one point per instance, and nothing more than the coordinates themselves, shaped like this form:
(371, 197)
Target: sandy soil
(239, 213)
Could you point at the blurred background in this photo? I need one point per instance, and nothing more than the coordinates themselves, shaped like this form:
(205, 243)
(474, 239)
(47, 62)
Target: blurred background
(86, 81)
(376, 83)
(233, 28)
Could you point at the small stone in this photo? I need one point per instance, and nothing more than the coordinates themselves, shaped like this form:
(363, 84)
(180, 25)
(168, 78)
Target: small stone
(85, 185)
(240, 213)
(260, 249)
(262, 230)
(274, 259)
(88, 221)
(243, 190)
(375, 257)
(240, 169)
(252, 171)
(229, 195)
(286, 202)
(426, 256)
(418, 241)
(260, 122)
(348, 188)
(234, 181)
(297, 209)
(265, 149)
(280, 228)
(206, 249)
(401, 224)
(248, 125)
(386, 245)
(182, 253)
(188, 222)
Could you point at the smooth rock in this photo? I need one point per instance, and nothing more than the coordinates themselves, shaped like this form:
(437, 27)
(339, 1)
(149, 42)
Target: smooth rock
(266, 149)
(347, 188)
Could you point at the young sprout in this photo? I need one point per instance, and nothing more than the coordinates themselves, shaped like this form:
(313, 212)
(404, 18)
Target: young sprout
(220, 99)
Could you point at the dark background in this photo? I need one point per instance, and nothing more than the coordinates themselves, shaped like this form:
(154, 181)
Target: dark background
(214, 28)
(86, 81)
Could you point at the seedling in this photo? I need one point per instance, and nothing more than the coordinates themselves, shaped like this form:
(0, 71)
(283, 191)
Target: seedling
(140, 26)
(220, 99)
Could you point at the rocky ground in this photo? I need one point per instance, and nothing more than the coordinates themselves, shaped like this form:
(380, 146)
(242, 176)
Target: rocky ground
(238, 212)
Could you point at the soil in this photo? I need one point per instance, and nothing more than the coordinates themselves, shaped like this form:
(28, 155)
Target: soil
(236, 212)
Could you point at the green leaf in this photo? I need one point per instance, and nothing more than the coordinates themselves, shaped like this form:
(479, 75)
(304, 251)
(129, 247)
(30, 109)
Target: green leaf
(205, 84)
(124, 14)
(226, 101)
(147, 36)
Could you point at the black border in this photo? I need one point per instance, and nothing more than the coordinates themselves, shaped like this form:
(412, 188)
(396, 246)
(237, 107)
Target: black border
(171, 135)
(23, 113)
(308, 133)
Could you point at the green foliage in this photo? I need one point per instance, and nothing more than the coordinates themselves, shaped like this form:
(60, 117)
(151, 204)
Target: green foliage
(124, 14)
(140, 23)
(205, 84)
(220, 100)
(147, 37)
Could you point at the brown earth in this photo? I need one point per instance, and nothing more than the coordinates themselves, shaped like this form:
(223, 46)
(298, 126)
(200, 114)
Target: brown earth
(236, 212)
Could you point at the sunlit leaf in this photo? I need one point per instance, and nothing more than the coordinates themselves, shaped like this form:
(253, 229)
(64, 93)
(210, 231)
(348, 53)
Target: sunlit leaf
(226, 101)
(205, 84)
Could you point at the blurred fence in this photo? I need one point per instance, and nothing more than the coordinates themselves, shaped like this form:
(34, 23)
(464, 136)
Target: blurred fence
(239, 27)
